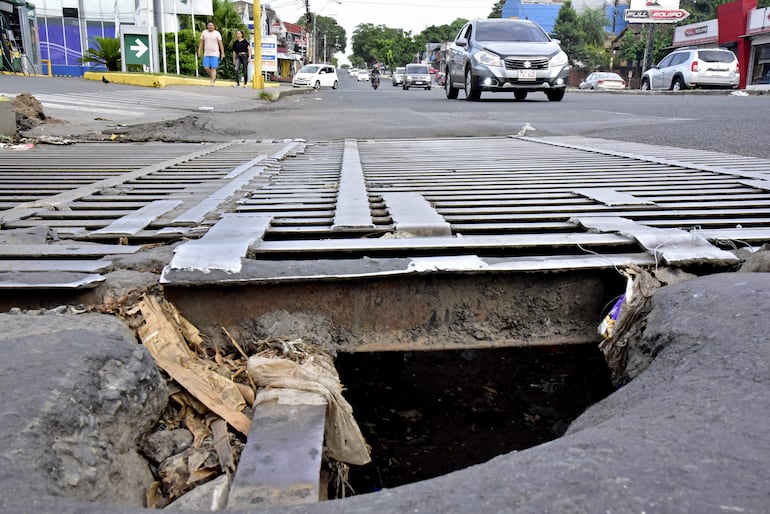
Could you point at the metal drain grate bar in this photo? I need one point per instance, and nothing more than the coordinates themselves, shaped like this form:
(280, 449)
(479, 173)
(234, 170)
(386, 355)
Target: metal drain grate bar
(480, 203)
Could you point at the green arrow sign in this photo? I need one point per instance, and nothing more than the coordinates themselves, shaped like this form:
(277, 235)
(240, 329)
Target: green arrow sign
(137, 49)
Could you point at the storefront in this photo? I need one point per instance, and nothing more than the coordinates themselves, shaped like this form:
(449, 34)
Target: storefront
(758, 34)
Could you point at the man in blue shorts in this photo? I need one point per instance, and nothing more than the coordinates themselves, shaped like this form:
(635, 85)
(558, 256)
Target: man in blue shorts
(212, 48)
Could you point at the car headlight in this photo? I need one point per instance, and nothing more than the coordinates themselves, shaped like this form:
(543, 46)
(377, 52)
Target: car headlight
(559, 59)
(487, 58)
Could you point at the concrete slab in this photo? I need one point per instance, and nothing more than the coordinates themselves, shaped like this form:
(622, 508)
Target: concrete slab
(7, 118)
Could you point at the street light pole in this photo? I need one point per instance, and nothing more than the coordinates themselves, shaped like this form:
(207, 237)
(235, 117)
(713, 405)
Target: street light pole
(315, 33)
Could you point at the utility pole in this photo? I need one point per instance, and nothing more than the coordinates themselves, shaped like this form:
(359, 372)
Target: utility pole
(612, 41)
(649, 48)
(257, 80)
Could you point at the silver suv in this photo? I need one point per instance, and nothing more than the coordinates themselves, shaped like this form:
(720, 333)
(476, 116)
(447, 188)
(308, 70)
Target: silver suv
(505, 55)
(694, 67)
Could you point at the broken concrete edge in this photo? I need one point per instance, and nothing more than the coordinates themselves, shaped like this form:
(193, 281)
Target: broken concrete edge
(686, 435)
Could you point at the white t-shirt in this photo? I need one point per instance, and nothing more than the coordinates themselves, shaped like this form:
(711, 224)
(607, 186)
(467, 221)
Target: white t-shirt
(210, 42)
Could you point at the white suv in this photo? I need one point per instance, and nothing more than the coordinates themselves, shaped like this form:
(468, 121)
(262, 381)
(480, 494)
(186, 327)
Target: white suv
(694, 67)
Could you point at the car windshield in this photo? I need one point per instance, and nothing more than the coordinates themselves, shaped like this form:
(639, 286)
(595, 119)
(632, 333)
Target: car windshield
(418, 69)
(496, 31)
(309, 69)
(608, 76)
(716, 55)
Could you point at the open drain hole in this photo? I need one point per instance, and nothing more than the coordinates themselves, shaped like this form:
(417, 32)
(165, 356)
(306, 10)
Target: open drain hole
(428, 413)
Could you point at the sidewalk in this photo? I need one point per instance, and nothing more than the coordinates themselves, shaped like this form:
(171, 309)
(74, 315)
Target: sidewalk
(274, 89)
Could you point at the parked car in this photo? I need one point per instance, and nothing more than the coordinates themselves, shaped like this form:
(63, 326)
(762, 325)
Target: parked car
(398, 76)
(417, 75)
(362, 75)
(316, 76)
(692, 67)
(603, 80)
(505, 55)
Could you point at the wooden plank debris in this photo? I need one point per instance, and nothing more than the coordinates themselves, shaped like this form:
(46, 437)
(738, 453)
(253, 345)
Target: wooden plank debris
(165, 342)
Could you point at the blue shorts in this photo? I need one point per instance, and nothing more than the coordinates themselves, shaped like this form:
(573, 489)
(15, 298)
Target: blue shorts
(210, 61)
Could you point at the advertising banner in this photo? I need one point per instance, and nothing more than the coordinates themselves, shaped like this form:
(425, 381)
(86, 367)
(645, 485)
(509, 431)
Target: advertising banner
(270, 53)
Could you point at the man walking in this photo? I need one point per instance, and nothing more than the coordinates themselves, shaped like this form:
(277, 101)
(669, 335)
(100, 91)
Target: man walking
(211, 46)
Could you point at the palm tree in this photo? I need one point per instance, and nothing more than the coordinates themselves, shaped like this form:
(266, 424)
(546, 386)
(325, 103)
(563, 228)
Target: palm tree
(106, 51)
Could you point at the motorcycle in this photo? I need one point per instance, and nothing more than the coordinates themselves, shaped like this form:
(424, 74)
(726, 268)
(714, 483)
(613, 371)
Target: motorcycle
(375, 81)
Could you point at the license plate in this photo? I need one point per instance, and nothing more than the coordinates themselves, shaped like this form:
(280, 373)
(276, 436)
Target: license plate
(527, 74)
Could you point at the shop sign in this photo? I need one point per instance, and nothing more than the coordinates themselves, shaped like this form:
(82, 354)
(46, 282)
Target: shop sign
(655, 15)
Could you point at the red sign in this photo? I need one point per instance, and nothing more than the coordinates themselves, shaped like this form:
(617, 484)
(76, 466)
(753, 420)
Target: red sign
(694, 31)
(669, 14)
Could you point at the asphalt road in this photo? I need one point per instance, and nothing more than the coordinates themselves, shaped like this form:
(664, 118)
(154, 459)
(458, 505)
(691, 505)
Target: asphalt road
(714, 120)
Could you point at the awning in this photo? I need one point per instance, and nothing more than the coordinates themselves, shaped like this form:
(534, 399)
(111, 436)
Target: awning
(289, 57)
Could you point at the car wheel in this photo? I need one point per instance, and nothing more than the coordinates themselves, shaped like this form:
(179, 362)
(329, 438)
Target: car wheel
(428, 88)
(334, 86)
(677, 84)
(520, 95)
(451, 91)
(555, 95)
(645, 85)
(472, 93)
(406, 88)
(317, 84)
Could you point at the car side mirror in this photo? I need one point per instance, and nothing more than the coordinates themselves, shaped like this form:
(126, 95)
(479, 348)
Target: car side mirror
(557, 41)
(461, 41)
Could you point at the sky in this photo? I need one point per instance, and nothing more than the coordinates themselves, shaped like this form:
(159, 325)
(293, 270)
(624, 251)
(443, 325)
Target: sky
(410, 15)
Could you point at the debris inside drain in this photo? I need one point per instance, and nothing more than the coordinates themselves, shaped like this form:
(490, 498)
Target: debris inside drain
(213, 391)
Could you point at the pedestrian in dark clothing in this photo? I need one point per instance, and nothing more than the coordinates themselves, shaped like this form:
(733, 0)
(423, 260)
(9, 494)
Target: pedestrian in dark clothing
(241, 58)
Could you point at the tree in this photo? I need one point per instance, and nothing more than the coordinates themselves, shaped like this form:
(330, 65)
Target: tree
(106, 51)
(378, 43)
(336, 37)
(634, 42)
(592, 23)
(497, 9)
(438, 34)
(567, 29)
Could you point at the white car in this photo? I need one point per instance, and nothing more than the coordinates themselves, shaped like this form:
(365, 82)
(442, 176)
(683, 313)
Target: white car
(362, 75)
(603, 80)
(692, 67)
(316, 76)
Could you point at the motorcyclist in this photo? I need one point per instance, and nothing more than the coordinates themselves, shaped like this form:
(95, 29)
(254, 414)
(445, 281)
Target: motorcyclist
(375, 74)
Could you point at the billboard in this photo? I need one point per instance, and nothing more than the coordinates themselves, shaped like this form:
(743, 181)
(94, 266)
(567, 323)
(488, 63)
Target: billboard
(654, 11)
